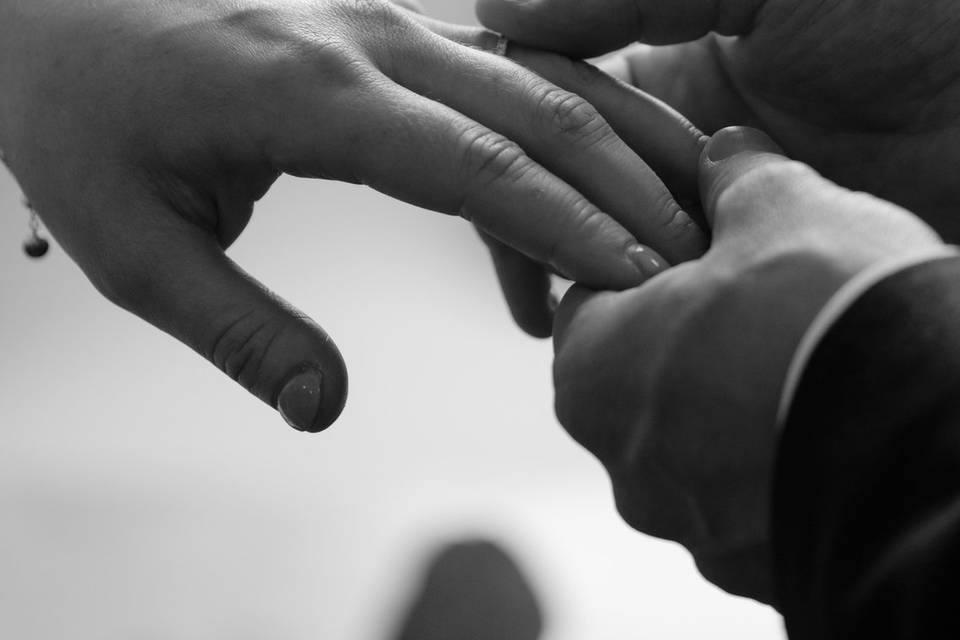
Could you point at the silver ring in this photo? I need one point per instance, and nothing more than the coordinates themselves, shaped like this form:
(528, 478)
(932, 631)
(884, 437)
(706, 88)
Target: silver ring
(502, 43)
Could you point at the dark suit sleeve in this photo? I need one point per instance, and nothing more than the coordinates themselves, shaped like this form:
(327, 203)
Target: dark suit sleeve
(866, 512)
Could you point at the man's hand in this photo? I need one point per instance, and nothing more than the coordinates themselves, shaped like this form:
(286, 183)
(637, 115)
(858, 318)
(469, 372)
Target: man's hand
(675, 385)
(144, 132)
(866, 92)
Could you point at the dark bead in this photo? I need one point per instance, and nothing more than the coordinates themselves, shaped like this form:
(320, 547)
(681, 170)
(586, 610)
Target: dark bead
(36, 247)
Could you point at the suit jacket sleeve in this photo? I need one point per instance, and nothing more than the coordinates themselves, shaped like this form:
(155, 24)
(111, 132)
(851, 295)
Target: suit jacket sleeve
(866, 512)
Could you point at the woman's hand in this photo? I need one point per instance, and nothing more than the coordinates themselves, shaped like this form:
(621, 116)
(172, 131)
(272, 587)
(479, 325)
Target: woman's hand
(675, 385)
(144, 132)
(670, 146)
(866, 92)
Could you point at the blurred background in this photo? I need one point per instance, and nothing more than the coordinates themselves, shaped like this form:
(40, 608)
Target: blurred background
(144, 496)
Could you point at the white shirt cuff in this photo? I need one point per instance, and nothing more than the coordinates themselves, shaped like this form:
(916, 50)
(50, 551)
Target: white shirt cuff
(838, 304)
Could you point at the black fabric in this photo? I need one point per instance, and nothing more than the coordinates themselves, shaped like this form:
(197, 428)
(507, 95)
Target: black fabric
(866, 511)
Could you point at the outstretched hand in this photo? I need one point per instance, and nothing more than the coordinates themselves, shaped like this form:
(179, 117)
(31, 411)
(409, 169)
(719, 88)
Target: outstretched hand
(145, 132)
(675, 385)
(868, 93)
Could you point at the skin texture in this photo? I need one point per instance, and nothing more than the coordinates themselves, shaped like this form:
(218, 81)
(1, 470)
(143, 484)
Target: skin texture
(668, 142)
(144, 132)
(675, 385)
(868, 93)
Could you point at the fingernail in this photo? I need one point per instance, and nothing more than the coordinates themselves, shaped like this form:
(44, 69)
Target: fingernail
(300, 399)
(647, 260)
(728, 142)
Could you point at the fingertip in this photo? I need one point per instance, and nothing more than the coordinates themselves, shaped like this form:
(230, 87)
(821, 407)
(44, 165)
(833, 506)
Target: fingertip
(726, 157)
(525, 286)
(311, 399)
(647, 261)
(612, 266)
(541, 329)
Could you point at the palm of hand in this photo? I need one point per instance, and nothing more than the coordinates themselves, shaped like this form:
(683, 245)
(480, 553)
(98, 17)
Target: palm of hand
(866, 92)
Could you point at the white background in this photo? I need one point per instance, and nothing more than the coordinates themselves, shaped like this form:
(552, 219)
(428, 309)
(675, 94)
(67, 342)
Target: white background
(143, 496)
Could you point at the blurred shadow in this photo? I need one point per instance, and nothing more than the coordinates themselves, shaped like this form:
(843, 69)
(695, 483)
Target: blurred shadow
(473, 590)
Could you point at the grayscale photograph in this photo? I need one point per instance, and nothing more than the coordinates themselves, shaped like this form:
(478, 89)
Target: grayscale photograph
(479, 319)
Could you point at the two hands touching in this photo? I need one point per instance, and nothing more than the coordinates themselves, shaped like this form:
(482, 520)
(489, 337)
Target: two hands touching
(865, 92)
(144, 132)
(675, 385)
(146, 173)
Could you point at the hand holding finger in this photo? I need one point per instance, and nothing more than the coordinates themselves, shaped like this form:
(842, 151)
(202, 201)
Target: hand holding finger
(344, 102)
(754, 196)
(642, 133)
(526, 288)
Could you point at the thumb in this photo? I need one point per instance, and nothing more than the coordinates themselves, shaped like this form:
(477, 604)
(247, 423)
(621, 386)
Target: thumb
(745, 162)
(585, 28)
(178, 279)
(757, 199)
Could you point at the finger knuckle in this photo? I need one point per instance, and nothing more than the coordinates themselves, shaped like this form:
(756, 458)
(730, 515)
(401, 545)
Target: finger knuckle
(242, 344)
(671, 215)
(574, 382)
(490, 157)
(326, 63)
(292, 52)
(634, 512)
(779, 174)
(590, 425)
(571, 115)
(680, 238)
(642, 503)
(378, 22)
(587, 221)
